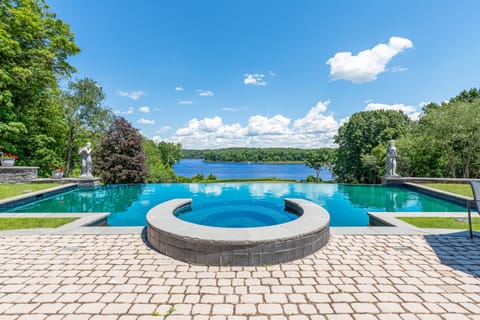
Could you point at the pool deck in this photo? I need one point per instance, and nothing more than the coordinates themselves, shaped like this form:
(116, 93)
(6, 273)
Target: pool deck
(117, 276)
(79, 272)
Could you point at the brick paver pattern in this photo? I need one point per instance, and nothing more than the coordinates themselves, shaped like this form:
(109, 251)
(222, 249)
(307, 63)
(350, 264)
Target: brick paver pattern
(103, 277)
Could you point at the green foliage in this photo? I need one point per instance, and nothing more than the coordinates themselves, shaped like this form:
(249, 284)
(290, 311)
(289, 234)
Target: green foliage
(320, 158)
(170, 153)
(120, 158)
(34, 47)
(453, 128)
(359, 136)
(83, 111)
(159, 161)
(249, 154)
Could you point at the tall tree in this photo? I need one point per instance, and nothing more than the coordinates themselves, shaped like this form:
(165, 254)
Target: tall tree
(34, 47)
(454, 127)
(170, 152)
(359, 135)
(84, 111)
(158, 171)
(318, 159)
(120, 158)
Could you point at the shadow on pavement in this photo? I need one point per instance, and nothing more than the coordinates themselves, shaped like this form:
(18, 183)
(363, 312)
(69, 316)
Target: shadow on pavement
(457, 251)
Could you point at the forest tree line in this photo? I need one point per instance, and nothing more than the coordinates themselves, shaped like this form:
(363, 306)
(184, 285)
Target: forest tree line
(249, 154)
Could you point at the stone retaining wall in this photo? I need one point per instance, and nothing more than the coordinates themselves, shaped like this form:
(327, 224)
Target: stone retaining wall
(18, 174)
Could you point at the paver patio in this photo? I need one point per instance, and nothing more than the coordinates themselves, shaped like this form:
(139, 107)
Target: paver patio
(104, 277)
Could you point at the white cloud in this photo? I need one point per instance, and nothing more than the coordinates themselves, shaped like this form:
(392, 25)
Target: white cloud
(367, 64)
(134, 95)
(178, 88)
(254, 79)
(205, 93)
(315, 129)
(315, 121)
(144, 109)
(163, 129)
(411, 111)
(129, 111)
(185, 102)
(260, 125)
(145, 121)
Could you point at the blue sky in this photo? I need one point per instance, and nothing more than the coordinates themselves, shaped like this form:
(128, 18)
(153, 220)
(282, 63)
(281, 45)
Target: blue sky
(212, 74)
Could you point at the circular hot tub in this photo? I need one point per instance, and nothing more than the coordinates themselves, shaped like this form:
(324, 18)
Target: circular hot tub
(237, 246)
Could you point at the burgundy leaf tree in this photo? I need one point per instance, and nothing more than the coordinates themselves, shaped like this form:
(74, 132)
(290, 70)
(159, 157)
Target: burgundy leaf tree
(120, 157)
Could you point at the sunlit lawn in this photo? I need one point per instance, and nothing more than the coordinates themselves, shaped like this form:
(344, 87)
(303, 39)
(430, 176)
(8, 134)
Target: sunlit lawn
(29, 223)
(461, 189)
(11, 190)
(441, 223)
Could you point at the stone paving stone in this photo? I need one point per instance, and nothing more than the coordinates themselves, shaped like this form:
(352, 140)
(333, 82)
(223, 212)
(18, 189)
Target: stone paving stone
(353, 277)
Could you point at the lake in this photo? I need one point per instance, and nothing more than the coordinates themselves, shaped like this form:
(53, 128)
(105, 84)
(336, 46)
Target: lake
(243, 170)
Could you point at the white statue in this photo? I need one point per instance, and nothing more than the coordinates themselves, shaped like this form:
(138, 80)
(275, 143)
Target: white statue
(391, 165)
(86, 160)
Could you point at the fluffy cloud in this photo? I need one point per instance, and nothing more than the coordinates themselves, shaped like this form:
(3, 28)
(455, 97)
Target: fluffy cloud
(411, 111)
(144, 109)
(134, 95)
(254, 79)
(315, 129)
(178, 88)
(185, 102)
(260, 125)
(205, 93)
(145, 121)
(315, 121)
(367, 64)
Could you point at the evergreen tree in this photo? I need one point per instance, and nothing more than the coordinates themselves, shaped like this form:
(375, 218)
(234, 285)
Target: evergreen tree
(120, 158)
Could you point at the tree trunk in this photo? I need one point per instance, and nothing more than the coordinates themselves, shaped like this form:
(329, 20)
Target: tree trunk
(451, 163)
(71, 141)
(466, 173)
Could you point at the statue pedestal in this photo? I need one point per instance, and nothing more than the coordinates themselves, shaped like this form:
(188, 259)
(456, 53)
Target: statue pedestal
(85, 182)
(392, 180)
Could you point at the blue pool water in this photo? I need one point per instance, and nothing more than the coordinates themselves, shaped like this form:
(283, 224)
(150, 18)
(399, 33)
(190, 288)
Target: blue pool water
(347, 204)
(237, 214)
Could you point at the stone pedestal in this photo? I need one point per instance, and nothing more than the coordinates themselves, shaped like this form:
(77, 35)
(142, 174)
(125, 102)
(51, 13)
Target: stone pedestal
(18, 174)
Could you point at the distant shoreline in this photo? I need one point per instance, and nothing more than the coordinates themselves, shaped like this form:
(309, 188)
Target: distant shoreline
(266, 162)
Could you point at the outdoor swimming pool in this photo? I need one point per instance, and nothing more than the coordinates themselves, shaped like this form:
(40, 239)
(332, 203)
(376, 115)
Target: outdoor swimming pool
(347, 204)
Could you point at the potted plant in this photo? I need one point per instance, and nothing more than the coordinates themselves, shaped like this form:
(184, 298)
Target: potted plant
(8, 160)
(57, 172)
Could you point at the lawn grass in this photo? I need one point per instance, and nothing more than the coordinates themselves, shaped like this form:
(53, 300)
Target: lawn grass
(457, 188)
(441, 223)
(29, 223)
(12, 190)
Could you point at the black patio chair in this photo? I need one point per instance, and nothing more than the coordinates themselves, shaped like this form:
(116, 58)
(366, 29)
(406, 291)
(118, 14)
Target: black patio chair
(476, 202)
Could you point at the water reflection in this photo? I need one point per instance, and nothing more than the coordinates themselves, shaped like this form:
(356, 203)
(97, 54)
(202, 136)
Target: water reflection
(376, 198)
(268, 189)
